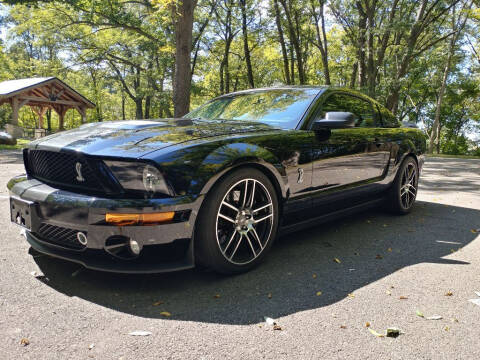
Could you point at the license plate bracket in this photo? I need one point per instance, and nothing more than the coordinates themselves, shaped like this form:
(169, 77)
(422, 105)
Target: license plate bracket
(21, 212)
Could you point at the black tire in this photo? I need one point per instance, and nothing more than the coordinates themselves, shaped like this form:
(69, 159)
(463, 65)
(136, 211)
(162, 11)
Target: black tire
(401, 197)
(216, 238)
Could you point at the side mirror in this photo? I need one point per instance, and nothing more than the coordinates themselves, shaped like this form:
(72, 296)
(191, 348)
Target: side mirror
(335, 120)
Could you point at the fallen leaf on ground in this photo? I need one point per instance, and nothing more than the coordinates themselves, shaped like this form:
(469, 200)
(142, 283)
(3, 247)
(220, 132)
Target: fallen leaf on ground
(419, 313)
(337, 260)
(367, 324)
(452, 250)
(165, 313)
(269, 321)
(393, 332)
(378, 257)
(91, 346)
(216, 296)
(314, 276)
(269, 295)
(351, 295)
(377, 334)
(389, 249)
(403, 297)
(446, 328)
(448, 293)
(388, 292)
(319, 293)
(343, 326)
(140, 333)
(474, 231)
(24, 342)
(156, 303)
(475, 301)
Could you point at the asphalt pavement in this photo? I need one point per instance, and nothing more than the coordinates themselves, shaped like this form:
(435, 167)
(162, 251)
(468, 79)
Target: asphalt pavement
(388, 269)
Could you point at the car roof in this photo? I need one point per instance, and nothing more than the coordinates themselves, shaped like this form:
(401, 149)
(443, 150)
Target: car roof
(280, 87)
(319, 88)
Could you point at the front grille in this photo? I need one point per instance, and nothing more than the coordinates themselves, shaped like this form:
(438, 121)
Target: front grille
(60, 168)
(60, 236)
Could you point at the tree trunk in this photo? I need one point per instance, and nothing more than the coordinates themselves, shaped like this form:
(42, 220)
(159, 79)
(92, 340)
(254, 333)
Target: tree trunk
(286, 69)
(183, 14)
(361, 41)
(457, 27)
(295, 41)
(148, 103)
(321, 38)
(48, 114)
(353, 79)
(246, 48)
(226, 66)
(138, 108)
(123, 105)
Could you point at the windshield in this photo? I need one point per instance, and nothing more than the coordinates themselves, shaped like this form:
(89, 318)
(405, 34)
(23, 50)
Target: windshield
(277, 107)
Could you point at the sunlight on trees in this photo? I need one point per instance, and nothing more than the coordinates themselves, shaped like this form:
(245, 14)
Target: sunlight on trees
(160, 58)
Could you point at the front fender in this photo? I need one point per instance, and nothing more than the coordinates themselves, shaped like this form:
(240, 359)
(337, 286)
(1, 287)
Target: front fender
(230, 156)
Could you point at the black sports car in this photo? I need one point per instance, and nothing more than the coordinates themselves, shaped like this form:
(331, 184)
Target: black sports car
(216, 186)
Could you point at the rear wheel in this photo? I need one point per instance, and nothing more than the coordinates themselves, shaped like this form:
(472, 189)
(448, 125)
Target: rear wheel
(238, 222)
(402, 194)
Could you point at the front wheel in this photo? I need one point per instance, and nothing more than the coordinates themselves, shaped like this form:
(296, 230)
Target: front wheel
(403, 192)
(238, 222)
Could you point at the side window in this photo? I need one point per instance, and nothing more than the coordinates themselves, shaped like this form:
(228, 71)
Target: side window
(363, 110)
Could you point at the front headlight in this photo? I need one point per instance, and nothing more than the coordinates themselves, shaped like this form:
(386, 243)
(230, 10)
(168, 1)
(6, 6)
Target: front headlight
(139, 177)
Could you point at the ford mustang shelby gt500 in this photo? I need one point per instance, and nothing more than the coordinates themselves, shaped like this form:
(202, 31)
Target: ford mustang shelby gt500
(216, 186)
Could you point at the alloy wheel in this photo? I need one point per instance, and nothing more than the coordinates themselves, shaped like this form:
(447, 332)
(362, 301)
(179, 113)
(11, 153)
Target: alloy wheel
(408, 188)
(244, 221)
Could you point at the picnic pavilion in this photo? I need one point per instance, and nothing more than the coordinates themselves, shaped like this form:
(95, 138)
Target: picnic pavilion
(41, 94)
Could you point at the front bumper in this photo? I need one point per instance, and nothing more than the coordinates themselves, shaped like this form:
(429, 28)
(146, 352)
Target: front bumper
(165, 247)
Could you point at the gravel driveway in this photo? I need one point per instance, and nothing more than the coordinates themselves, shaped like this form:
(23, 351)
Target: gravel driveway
(389, 268)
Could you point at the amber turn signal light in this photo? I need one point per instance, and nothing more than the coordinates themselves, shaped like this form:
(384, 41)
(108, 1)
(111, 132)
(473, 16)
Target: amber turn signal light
(139, 219)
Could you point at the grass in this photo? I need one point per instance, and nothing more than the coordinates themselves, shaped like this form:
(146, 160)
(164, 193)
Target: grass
(454, 156)
(21, 143)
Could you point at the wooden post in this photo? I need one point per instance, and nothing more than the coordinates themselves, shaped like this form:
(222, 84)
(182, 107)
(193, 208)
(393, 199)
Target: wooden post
(61, 117)
(40, 111)
(83, 113)
(15, 108)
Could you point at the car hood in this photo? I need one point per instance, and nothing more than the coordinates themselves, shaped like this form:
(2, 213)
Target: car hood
(136, 138)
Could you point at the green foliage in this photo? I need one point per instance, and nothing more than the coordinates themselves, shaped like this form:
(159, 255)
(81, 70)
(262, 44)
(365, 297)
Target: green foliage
(121, 54)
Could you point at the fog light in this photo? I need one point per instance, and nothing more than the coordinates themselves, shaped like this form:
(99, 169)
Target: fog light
(134, 247)
(82, 238)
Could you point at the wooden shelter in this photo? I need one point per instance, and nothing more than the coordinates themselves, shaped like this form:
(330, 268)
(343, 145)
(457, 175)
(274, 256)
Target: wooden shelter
(42, 94)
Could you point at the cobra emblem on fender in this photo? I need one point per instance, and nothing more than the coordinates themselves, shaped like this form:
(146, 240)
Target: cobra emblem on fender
(78, 168)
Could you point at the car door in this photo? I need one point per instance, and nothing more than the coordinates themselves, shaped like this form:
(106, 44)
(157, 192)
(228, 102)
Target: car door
(348, 158)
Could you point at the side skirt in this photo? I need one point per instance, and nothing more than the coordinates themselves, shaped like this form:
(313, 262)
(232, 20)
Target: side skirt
(287, 229)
